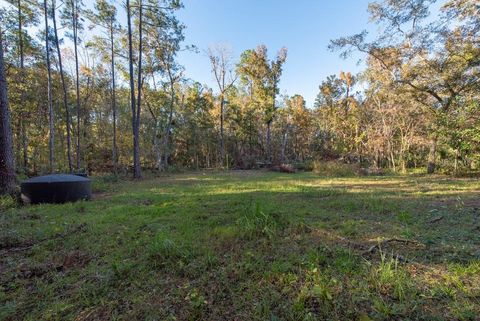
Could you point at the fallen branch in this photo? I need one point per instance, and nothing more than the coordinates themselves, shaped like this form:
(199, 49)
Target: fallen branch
(379, 245)
(360, 247)
(436, 219)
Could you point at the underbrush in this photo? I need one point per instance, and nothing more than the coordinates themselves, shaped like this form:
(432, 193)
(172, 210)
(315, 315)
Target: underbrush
(105, 183)
(7, 202)
(335, 169)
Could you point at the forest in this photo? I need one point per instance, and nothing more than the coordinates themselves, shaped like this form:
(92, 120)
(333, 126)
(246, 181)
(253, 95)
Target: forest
(238, 201)
(118, 102)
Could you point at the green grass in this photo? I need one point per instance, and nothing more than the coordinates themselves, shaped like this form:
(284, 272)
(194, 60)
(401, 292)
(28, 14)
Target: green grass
(247, 246)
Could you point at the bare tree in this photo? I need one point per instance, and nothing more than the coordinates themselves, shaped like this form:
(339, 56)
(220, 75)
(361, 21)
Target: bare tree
(225, 76)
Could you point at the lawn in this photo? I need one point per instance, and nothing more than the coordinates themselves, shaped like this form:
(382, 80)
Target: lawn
(247, 245)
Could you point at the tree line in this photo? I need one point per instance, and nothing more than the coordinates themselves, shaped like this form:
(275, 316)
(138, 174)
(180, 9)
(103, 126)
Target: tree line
(88, 92)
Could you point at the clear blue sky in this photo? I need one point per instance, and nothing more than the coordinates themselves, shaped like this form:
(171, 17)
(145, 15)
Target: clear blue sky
(305, 27)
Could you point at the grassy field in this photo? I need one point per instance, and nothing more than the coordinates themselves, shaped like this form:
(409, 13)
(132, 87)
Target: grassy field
(248, 246)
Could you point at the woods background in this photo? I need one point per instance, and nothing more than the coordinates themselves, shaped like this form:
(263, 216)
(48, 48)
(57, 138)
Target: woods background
(90, 92)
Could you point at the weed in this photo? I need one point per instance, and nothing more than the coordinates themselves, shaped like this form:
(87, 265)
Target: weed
(405, 218)
(392, 279)
(196, 302)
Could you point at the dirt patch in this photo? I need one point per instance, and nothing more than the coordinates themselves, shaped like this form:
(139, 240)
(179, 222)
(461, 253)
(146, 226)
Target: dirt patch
(36, 270)
(75, 259)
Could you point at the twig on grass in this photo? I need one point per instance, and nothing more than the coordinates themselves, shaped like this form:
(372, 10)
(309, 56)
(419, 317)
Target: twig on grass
(377, 246)
(436, 219)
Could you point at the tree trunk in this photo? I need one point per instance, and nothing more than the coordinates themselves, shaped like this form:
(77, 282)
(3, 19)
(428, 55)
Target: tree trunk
(157, 148)
(64, 88)
(77, 76)
(132, 91)
(49, 93)
(7, 172)
(25, 147)
(284, 144)
(222, 144)
(269, 122)
(166, 136)
(136, 146)
(23, 133)
(114, 102)
(432, 155)
(456, 161)
(269, 149)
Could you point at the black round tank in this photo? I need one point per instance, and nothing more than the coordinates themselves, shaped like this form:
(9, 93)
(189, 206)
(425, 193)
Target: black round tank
(56, 188)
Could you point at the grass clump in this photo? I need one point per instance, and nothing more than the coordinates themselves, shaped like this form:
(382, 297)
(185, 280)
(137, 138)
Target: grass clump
(391, 279)
(259, 223)
(164, 252)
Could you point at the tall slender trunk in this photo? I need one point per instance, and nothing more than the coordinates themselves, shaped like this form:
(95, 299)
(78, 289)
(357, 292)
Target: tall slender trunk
(269, 149)
(114, 101)
(23, 133)
(7, 171)
(284, 144)
(166, 136)
(49, 93)
(64, 88)
(222, 119)
(137, 172)
(132, 84)
(269, 122)
(77, 75)
(25, 146)
(156, 142)
(156, 147)
(456, 161)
